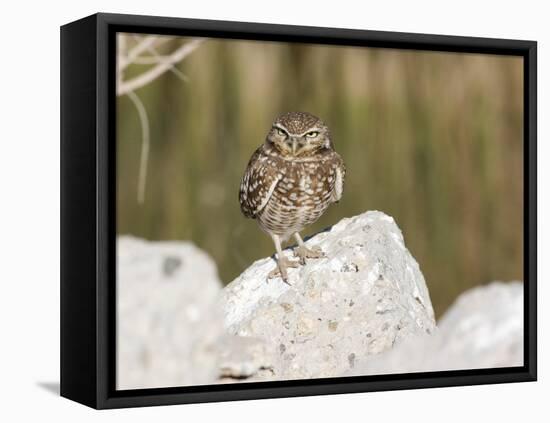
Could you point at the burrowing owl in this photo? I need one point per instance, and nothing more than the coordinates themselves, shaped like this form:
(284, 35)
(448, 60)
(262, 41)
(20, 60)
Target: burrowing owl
(290, 181)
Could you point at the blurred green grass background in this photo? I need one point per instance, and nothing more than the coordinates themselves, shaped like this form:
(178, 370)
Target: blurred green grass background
(433, 139)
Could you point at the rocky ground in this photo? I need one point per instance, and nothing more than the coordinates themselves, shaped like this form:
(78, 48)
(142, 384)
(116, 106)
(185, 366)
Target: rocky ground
(363, 309)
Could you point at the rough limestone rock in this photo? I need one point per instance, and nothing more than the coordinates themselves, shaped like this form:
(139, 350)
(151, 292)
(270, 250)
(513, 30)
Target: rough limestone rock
(482, 329)
(167, 329)
(365, 296)
(243, 357)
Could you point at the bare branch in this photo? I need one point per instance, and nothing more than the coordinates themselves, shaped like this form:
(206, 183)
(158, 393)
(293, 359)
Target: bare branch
(121, 51)
(173, 67)
(139, 48)
(162, 64)
(150, 60)
(150, 75)
(145, 144)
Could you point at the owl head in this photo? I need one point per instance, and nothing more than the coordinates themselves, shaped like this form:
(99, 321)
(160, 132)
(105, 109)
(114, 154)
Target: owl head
(299, 134)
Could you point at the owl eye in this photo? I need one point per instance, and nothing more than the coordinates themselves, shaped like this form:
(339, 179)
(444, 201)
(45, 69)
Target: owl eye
(312, 134)
(281, 132)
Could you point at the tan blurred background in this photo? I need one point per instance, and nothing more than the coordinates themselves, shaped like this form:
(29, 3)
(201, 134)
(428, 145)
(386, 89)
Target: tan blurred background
(433, 139)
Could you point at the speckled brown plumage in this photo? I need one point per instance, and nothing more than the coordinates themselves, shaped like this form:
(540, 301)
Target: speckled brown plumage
(291, 180)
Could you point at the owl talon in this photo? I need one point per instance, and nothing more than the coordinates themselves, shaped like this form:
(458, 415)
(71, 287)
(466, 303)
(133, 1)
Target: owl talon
(281, 269)
(304, 252)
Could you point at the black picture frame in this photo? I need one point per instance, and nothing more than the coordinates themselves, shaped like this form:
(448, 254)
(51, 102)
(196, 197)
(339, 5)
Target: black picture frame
(88, 267)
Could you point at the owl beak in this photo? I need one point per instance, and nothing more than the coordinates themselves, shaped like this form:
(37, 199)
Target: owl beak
(294, 145)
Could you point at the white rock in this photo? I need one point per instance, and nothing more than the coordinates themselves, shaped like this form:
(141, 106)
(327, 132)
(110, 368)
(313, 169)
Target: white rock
(364, 309)
(166, 329)
(243, 357)
(366, 295)
(482, 329)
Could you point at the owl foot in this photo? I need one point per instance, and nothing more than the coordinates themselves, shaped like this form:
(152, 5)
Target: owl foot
(283, 264)
(304, 252)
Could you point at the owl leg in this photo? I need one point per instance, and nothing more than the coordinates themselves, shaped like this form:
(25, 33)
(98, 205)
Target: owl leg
(282, 262)
(304, 252)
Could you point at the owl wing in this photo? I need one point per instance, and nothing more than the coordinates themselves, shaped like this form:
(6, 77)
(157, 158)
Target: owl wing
(258, 183)
(340, 173)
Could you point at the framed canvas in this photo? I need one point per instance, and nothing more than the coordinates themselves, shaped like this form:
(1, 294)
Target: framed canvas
(257, 211)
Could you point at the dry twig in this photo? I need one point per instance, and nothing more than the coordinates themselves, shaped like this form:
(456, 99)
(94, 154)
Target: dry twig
(162, 64)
